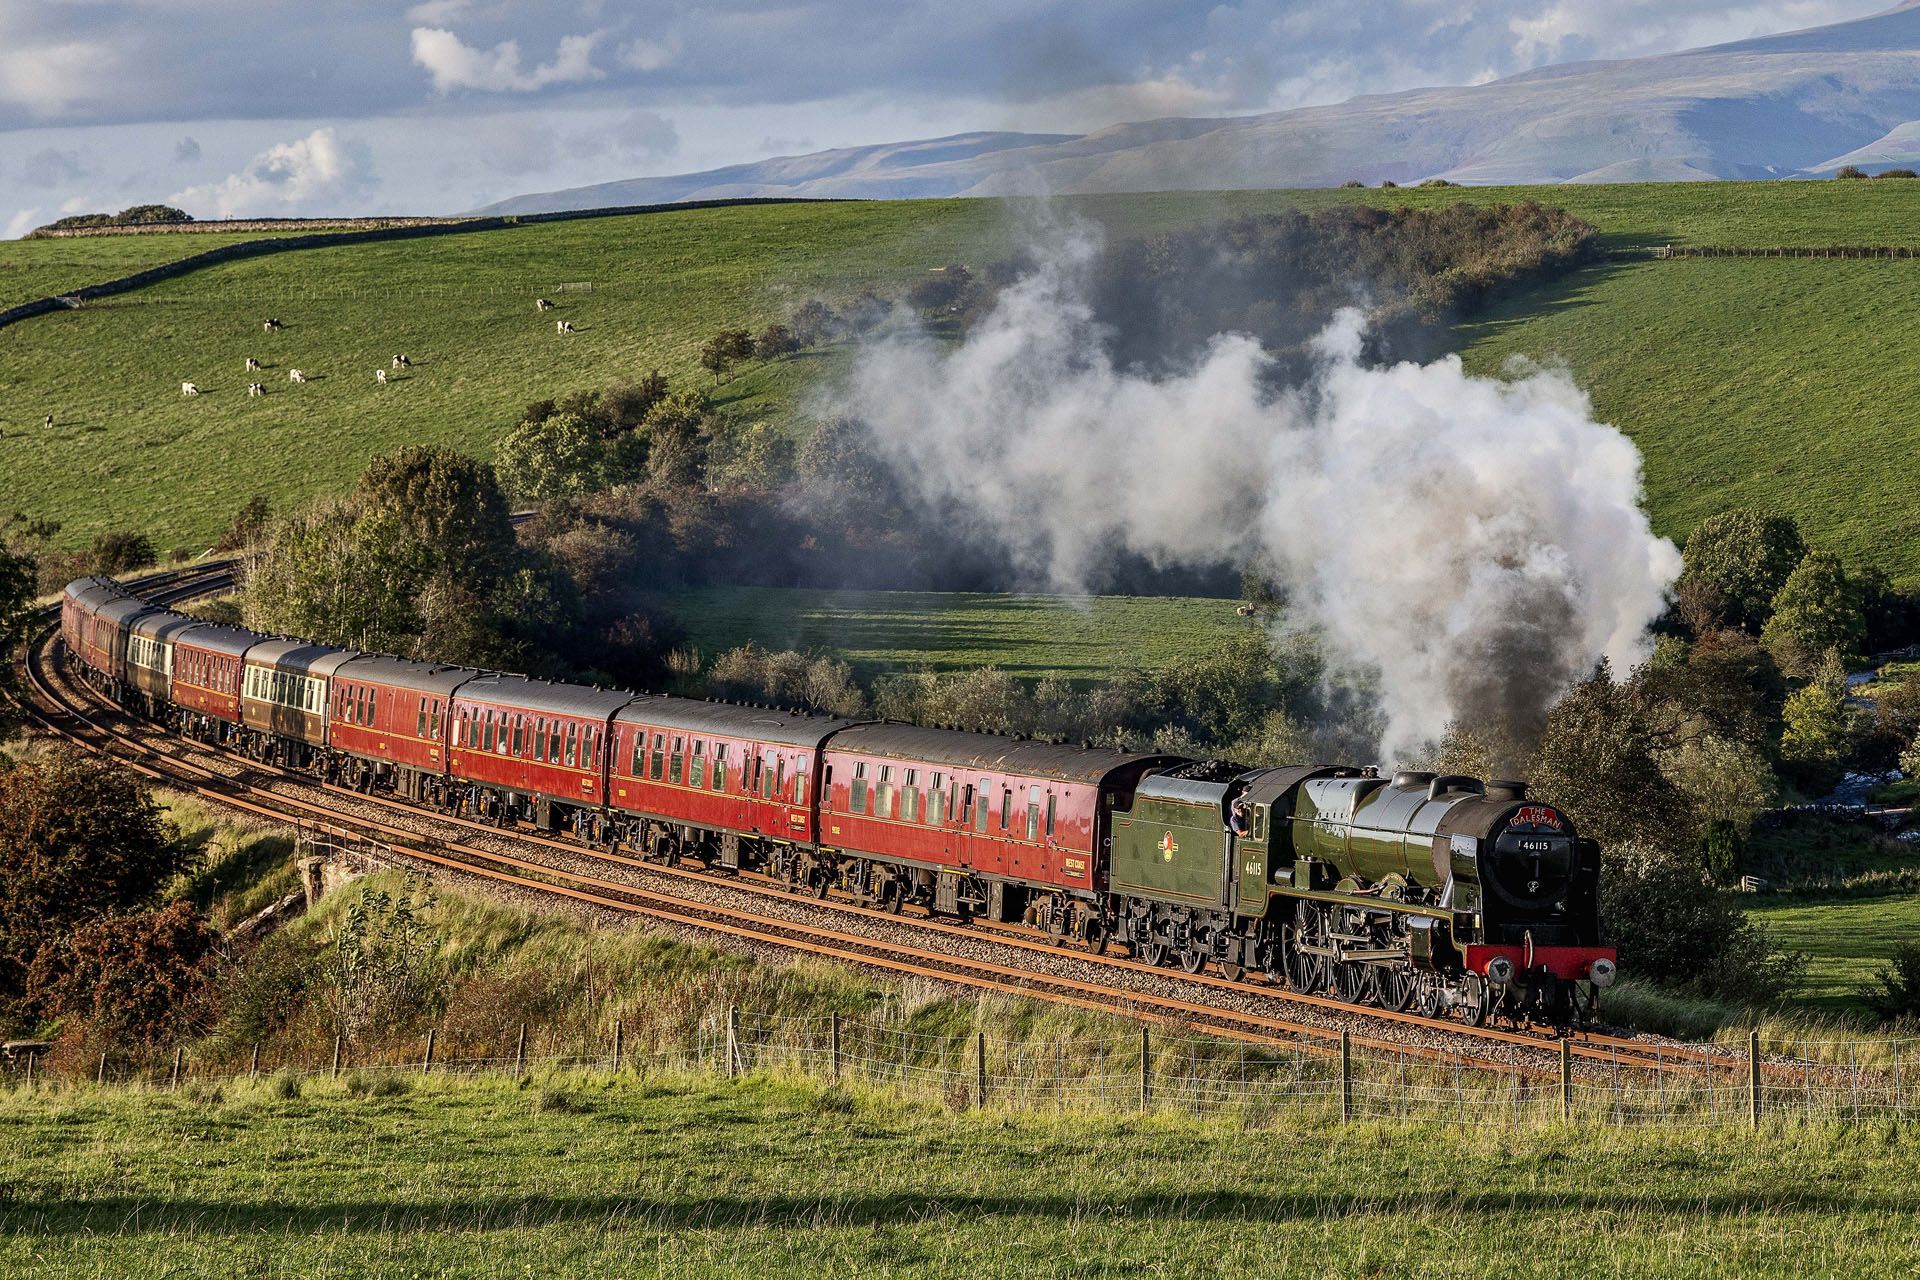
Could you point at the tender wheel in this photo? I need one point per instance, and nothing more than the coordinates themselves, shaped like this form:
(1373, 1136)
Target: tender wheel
(1154, 952)
(1232, 970)
(1193, 960)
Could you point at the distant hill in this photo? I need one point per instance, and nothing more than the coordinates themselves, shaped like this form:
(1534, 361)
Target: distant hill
(1798, 104)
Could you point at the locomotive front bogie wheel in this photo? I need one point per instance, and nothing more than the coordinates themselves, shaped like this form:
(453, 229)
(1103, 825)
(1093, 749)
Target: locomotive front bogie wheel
(1475, 1004)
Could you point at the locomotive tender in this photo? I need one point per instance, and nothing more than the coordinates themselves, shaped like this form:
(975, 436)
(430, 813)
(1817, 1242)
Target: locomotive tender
(1433, 892)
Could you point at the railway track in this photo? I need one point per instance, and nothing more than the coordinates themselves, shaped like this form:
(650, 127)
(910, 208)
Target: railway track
(73, 711)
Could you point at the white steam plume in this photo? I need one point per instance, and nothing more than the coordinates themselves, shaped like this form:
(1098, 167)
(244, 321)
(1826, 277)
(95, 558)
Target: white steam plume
(1477, 543)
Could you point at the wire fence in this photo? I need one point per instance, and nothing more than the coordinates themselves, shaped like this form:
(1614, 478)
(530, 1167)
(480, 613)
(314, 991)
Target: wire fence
(1151, 1069)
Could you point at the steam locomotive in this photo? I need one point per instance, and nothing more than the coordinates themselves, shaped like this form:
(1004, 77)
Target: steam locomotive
(1441, 894)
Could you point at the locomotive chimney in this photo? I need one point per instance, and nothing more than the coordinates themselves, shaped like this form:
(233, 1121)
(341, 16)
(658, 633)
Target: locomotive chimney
(1506, 789)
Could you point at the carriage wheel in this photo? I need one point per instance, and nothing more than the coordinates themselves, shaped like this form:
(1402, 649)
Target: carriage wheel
(1192, 959)
(1154, 952)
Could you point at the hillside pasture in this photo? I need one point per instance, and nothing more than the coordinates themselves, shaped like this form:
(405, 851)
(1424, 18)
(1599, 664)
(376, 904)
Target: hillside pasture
(1744, 380)
(1030, 636)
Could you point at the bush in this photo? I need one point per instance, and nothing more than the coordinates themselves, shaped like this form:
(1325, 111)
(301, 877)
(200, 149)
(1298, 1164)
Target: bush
(120, 551)
(1895, 990)
(1672, 928)
(1353, 182)
(1897, 173)
(774, 341)
(144, 978)
(813, 323)
(1848, 172)
(1438, 182)
(250, 525)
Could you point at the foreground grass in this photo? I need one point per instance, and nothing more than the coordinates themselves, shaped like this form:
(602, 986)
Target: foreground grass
(680, 1178)
(1724, 370)
(1029, 636)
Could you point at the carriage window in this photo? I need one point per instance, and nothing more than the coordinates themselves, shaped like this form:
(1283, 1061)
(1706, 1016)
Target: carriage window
(982, 806)
(884, 806)
(438, 707)
(697, 775)
(421, 723)
(573, 742)
(1050, 803)
(966, 805)
(588, 739)
(1033, 813)
(486, 740)
(719, 766)
(553, 744)
(639, 754)
(1006, 806)
(780, 777)
(857, 789)
(659, 756)
(766, 778)
(519, 736)
(910, 798)
(673, 760)
(799, 788)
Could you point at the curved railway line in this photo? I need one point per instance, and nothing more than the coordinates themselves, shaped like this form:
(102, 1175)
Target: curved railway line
(68, 709)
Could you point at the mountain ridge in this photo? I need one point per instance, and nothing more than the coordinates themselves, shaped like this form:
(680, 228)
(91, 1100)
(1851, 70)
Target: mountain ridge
(1791, 104)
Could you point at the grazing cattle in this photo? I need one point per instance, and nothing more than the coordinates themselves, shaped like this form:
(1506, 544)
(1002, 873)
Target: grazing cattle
(256, 389)
(1245, 611)
(188, 389)
(380, 376)
(294, 375)
(402, 362)
(563, 326)
(271, 326)
(49, 422)
(543, 304)
(252, 364)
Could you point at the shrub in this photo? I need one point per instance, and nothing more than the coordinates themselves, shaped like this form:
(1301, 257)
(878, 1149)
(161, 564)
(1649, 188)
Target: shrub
(249, 526)
(119, 551)
(1848, 172)
(1674, 929)
(1897, 173)
(725, 349)
(1353, 182)
(1438, 182)
(774, 341)
(1895, 990)
(813, 323)
(144, 978)
(383, 974)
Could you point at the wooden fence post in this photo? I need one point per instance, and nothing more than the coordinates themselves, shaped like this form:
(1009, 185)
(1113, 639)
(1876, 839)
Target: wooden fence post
(1346, 1077)
(1753, 1078)
(619, 1042)
(1146, 1071)
(101, 1079)
(1566, 1079)
(520, 1053)
(253, 1062)
(733, 1041)
(336, 1057)
(833, 1050)
(30, 1057)
(179, 1062)
(426, 1060)
(979, 1069)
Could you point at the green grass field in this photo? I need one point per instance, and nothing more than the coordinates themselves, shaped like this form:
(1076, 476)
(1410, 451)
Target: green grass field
(1846, 940)
(1024, 635)
(1776, 382)
(31, 269)
(684, 1179)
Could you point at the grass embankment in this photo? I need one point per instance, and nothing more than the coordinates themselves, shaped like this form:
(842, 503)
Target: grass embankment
(1028, 636)
(679, 1178)
(1745, 380)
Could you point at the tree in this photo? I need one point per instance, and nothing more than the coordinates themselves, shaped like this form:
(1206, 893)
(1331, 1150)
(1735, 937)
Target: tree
(1895, 991)
(1725, 782)
(1817, 610)
(1599, 760)
(559, 456)
(941, 289)
(18, 576)
(866, 312)
(1745, 556)
(1817, 736)
(1849, 172)
(725, 349)
(440, 506)
(80, 840)
(774, 341)
(813, 323)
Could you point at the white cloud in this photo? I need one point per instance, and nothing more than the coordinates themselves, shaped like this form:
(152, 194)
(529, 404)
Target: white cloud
(646, 134)
(290, 178)
(651, 55)
(50, 78)
(454, 64)
(438, 12)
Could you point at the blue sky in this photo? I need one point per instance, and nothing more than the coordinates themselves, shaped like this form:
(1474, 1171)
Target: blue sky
(294, 107)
